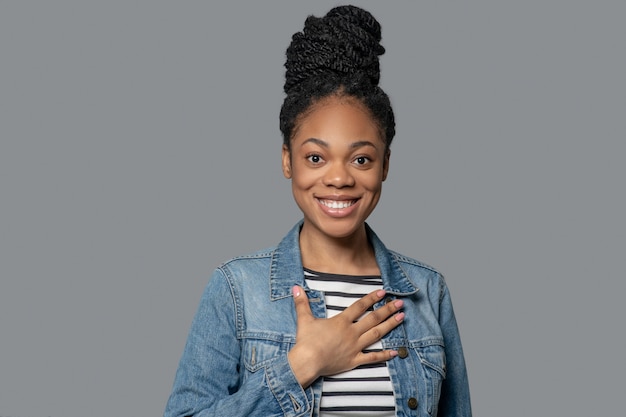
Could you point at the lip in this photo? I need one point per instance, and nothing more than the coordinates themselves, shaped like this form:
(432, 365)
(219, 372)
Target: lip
(336, 197)
(337, 212)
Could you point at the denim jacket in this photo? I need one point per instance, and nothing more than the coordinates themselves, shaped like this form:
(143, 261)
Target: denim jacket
(235, 362)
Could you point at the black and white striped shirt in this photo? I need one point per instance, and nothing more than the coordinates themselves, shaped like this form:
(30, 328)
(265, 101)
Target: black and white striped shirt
(365, 391)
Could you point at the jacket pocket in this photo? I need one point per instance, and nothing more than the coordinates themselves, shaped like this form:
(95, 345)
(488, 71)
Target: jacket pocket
(258, 353)
(432, 357)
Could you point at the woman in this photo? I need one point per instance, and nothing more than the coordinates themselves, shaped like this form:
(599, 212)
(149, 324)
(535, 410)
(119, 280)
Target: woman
(329, 322)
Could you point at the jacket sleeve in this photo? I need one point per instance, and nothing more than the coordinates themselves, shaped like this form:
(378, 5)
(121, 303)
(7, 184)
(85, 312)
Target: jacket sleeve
(209, 381)
(455, 396)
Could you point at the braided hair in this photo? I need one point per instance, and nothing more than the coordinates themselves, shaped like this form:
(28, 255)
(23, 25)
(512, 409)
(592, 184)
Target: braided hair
(335, 55)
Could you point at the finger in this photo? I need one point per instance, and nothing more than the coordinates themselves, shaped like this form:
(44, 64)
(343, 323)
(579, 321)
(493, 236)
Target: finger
(377, 332)
(374, 357)
(360, 306)
(303, 309)
(379, 315)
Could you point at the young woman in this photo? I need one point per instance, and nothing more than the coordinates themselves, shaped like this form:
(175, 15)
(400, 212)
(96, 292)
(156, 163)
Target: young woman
(329, 322)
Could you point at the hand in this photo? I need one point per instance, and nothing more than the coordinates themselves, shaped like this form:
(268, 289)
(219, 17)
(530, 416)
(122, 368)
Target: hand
(330, 346)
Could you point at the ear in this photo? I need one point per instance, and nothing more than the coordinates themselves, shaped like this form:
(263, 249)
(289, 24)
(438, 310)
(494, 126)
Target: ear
(386, 164)
(286, 158)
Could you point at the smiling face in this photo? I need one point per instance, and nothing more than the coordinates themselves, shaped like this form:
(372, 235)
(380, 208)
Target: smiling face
(337, 163)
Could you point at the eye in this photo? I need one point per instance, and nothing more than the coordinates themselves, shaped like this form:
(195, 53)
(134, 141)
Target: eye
(362, 160)
(314, 158)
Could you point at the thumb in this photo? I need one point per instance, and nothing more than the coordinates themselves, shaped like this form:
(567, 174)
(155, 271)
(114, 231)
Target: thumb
(303, 309)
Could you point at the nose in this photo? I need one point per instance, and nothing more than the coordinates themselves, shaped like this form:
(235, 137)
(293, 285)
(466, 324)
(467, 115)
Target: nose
(338, 175)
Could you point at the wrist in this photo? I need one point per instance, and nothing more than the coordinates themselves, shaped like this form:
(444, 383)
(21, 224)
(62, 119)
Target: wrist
(303, 366)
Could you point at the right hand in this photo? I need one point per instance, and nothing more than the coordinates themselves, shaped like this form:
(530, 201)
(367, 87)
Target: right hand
(330, 346)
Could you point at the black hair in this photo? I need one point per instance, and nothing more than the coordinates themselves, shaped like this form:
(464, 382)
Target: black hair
(336, 55)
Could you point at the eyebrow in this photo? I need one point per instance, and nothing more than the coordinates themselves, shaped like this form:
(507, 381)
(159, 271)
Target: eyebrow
(354, 145)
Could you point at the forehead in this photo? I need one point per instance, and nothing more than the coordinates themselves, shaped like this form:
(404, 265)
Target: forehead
(337, 119)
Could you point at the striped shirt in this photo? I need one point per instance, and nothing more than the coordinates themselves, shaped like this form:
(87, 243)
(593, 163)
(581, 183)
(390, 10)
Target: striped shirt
(366, 390)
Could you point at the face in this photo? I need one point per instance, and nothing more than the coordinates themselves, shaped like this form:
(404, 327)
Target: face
(336, 164)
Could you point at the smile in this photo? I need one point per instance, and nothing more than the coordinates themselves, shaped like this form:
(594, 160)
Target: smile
(334, 204)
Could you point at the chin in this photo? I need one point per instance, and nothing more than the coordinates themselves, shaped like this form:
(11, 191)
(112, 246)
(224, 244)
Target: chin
(340, 230)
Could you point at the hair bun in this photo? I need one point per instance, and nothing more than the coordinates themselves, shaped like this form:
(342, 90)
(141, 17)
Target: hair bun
(345, 42)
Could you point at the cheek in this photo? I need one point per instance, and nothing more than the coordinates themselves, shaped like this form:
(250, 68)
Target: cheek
(373, 182)
(303, 178)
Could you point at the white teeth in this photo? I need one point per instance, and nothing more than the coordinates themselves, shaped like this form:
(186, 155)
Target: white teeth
(336, 204)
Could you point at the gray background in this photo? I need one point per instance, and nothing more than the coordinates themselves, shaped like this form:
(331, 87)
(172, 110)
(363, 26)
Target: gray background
(140, 148)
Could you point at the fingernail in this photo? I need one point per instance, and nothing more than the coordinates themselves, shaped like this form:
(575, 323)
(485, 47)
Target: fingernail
(380, 293)
(399, 316)
(398, 303)
(393, 353)
(296, 291)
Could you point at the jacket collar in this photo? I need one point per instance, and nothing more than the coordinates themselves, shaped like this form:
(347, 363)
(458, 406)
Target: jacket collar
(286, 266)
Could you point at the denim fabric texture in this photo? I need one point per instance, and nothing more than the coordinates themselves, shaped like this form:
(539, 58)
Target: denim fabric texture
(235, 362)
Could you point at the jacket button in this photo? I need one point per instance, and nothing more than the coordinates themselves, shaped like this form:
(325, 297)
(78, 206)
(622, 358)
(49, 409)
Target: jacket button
(412, 403)
(403, 352)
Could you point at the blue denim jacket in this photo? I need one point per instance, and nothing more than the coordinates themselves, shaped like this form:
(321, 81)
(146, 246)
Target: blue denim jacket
(235, 361)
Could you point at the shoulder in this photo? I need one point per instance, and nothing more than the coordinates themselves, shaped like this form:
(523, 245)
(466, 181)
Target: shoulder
(412, 263)
(244, 274)
(246, 261)
(259, 254)
(421, 274)
(404, 272)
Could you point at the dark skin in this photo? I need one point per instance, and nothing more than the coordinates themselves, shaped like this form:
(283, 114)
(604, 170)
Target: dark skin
(337, 162)
(330, 346)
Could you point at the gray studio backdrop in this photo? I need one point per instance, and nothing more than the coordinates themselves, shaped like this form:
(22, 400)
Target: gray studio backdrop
(139, 148)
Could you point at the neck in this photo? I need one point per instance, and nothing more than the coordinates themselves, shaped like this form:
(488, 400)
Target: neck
(350, 255)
